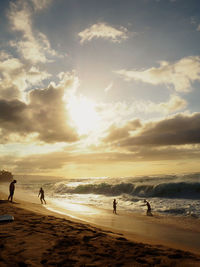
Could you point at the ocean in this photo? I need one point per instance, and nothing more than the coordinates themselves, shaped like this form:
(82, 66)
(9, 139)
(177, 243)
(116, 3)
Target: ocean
(176, 195)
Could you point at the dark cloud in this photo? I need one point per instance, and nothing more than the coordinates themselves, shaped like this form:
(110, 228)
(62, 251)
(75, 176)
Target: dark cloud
(146, 153)
(13, 119)
(115, 133)
(50, 115)
(178, 130)
(11, 111)
(45, 114)
(10, 92)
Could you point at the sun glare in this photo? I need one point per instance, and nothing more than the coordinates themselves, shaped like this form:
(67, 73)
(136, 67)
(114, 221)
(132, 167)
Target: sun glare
(83, 114)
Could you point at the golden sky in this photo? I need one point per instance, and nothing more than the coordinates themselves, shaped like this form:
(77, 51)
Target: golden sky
(104, 88)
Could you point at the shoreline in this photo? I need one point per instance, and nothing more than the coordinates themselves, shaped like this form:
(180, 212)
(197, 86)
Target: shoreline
(174, 232)
(38, 237)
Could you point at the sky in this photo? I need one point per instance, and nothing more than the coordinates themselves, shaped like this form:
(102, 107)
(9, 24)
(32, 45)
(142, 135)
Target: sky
(99, 88)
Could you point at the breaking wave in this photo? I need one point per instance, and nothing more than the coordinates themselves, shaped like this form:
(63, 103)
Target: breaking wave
(163, 190)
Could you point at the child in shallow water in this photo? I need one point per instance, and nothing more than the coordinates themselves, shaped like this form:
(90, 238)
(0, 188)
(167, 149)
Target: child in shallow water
(115, 206)
(41, 194)
(148, 208)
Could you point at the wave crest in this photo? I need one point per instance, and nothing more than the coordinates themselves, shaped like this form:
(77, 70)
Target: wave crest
(165, 190)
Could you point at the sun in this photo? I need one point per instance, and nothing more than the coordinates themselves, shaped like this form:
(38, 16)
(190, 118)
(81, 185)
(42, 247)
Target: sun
(83, 114)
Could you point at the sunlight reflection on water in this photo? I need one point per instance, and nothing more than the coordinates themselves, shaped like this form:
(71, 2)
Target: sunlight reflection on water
(78, 208)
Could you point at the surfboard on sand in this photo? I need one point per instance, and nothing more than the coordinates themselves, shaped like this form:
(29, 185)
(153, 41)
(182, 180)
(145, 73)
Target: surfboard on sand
(6, 218)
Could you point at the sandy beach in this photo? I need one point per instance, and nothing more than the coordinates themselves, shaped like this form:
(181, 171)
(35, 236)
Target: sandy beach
(177, 232)
(39, 237)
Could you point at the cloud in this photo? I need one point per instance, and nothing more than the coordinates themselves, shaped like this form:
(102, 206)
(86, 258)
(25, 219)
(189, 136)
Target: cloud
(58, 161)
(115, 115)
(33, 46)
(117, 133)
(198, 28)
(174, 104)
(45, 117)
(108, 88)
(118, 112)
(177, 130)
(40, 4)
(16, 77)
(180, 74)
(105, 31)
(170, 153)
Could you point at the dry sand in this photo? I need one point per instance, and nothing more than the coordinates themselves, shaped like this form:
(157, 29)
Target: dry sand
(37, 238)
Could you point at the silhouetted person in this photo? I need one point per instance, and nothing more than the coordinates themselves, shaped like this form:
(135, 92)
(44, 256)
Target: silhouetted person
(148, 208)
(41, 193)
(115, 206)
(12, 190)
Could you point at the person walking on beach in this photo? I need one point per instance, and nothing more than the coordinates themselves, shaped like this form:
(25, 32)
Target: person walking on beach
(41, 194)
(148, 208)
(11, 190)
(114, 206)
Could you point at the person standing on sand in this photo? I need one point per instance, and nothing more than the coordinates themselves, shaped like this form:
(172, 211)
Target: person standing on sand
(148, 208)
(41, 193)
(115, 206)
(11, 190)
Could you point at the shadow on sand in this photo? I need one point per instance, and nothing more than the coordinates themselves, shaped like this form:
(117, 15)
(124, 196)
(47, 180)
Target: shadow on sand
(3, 201)
(6, 201)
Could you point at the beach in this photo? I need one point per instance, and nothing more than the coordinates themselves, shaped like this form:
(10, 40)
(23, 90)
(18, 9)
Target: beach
(40, 237)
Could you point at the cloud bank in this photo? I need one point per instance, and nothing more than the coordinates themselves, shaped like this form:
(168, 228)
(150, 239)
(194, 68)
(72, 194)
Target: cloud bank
(180, 129)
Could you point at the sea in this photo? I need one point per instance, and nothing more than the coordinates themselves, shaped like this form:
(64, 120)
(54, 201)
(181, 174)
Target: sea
(173, 195)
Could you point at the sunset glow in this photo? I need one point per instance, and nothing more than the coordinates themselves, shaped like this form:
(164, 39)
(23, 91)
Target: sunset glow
(103, 88)
(83, 114)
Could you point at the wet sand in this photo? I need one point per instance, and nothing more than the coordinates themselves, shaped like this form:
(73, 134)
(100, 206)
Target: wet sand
(177, 232)
(39, 237)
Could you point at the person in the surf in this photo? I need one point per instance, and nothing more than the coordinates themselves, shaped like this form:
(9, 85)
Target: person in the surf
(115, 206)
(148, 208)
(41, 194)
(11, 190)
